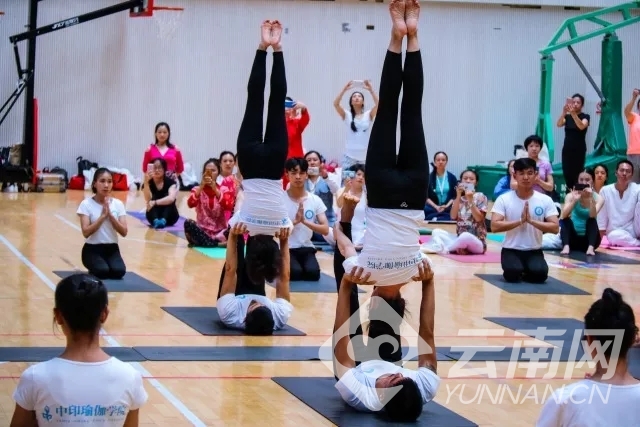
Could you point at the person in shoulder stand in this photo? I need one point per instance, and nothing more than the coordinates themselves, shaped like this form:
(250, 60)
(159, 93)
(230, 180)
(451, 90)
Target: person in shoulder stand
(83, 375)
(102, 218)
(525, 215)
(243, 308)
(308, 213)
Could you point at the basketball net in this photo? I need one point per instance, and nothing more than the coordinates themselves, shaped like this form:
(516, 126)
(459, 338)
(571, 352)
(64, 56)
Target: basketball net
(167, 20)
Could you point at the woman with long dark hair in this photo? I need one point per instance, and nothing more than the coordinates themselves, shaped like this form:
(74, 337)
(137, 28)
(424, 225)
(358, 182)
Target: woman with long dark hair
(574, 150)
(164, 149)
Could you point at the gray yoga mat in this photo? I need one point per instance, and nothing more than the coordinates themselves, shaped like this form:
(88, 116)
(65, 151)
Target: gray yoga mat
(326, 284)
(598, 258)
(131, 282)
(552, 286)
(206, 321)
(321, 395)
(42, 354)
(511, 354)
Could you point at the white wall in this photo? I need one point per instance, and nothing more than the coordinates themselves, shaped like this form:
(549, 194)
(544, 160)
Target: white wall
(103, 85)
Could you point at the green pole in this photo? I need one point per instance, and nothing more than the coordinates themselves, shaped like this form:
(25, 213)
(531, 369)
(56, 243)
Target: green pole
(544, 127)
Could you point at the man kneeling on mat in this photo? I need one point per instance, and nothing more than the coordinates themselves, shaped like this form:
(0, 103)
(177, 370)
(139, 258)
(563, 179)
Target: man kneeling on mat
(256, 314)
(377, 385)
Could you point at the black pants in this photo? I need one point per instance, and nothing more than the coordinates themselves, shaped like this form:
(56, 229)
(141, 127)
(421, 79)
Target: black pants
(304, 265)
(103, 260)
(196, 236)
(244, 286)
(167, 212)
(255, 158)
(573, 159)
(398, 182)
(527, 266)
(580, 243)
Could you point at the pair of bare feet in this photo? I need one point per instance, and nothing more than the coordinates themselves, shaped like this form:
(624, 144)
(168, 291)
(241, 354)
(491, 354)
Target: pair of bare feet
(405, 15)
(271, 35)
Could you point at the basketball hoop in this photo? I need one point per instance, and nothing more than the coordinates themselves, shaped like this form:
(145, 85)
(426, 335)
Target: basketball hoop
(168, 20)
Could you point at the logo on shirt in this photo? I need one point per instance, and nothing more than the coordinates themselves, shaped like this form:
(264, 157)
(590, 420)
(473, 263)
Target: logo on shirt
(308, 214)
(538, 210)
(404, 205)
(46, 414)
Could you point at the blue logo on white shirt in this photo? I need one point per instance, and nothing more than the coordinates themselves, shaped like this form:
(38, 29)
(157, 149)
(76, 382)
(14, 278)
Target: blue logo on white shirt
(538, 210)
(308, 214)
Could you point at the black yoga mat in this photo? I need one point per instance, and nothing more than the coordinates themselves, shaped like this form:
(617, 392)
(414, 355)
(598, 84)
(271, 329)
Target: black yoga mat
(42, 354)
(598, 258)
(326, 284)
(552, 286)
(131, 282)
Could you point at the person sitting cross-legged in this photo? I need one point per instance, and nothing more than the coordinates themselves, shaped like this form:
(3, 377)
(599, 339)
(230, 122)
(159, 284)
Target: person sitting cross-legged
(525, 215)
(245, 308)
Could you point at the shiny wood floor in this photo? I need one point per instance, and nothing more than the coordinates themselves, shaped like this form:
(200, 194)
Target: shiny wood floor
(39, 234)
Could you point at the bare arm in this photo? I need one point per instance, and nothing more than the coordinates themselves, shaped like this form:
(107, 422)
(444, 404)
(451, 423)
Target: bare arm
(569, 203)
(145, 189)
(629, 107)
(321, 228)
(119, 224)
(427, 357)
(171, 197)
(133, 419)
(561, 121)
(23, 418)
(342, 361)
(87, 228)
(336, 102)
(549, 225)
(498, 223)
(231, 263)
(283, 281)
(581, 124)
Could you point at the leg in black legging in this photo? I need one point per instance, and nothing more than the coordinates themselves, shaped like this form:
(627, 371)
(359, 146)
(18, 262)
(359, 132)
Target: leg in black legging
(250, 133)
(95, 261)
(117, 268)
(593, 233)
(276, 138)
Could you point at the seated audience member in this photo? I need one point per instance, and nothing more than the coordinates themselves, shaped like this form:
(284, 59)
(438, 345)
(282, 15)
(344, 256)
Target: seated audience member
(579, 225)
(354, 187)
(442, 190)
(376, 384)
(525, 214)
(83, 373)
(469, 210)
(102, 218)
(544, 182)
(324, 185)
(601, 172)
(307, 211)
(506, 183)
(160, 193)
(553, 241)
(227, 166)
(245, 308)
(633, 149)
(619, 218)
(210, 200)
(165, 150)
(610, 396)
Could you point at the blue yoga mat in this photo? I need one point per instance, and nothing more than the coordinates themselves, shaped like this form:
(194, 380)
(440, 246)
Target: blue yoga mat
(552, 286)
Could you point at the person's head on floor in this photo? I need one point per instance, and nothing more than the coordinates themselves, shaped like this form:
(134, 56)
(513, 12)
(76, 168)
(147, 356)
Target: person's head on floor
(610, 313)
(81, 307)
(400, 396)
(296, 168)
(525, 171)
(259, 319)
(102, 182)
(263, 260)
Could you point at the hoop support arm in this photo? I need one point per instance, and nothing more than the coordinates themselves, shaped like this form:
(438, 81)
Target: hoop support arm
(66, 23)
(8, 105)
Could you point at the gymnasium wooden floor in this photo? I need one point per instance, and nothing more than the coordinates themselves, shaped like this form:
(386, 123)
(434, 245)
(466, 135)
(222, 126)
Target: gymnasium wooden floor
(39, 233)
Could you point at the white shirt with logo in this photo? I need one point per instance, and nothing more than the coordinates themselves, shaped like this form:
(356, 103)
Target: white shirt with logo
(232, 309)
(312, 206)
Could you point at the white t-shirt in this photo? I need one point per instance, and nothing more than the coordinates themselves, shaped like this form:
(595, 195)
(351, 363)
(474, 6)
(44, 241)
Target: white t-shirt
(357, 142)
(232, 309)
(301, 235)
(618, 213)
(61, 392)
(106, 233)
(263, 209)
(390, 247)
(358, 385)
(359, 221)
(589, 403)
(524, 237)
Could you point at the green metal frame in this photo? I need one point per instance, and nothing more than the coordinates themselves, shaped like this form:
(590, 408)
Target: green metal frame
(545, 123)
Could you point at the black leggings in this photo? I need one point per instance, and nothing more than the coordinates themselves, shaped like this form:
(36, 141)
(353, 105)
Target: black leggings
(196, 236)
(573, 158)
(167, 212)
(580, 243)
(244, 286)
(398, 182)
(304, 265)
(103, 260)
(527, 266)
(255, 158)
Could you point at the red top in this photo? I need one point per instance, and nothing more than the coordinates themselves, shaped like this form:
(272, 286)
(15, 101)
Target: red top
(173, 157)
(295, 127)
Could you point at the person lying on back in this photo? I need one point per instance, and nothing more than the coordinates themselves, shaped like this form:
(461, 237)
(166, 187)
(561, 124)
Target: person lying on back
(256, 314)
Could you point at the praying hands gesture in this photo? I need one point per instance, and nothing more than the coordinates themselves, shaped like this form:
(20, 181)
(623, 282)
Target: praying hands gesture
(299, 214)
(526, 216)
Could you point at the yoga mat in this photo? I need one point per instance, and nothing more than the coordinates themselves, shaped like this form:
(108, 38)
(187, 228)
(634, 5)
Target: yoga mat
(425, 231)
(424, 239)
(230, 354)
(215, 253)
(511, 354)
(495, 237)
(598, 258)
(488, 257)
(559, 328)
(323, 246)
(326, 285)
(141, 216)
(604, 244)
(552, 286)
(321, 395)
(131, 282)
(42, 354)
(206, 321)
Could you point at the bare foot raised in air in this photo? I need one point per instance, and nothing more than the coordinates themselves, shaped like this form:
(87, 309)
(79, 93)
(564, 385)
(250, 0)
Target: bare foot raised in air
(411, 16)
(397, 11)
(276, 36)
(348, 208)
(265, 35)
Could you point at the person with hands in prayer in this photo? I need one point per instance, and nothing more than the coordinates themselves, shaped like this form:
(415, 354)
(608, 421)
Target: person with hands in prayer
(242, 307)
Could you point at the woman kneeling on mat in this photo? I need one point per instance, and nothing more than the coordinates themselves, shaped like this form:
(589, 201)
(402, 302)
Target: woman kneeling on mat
(83, 374)
(469, 209)
(102, 218)
(210, 201)
(160, 192)
(261, 164)
(579, 230)
(396, 190)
